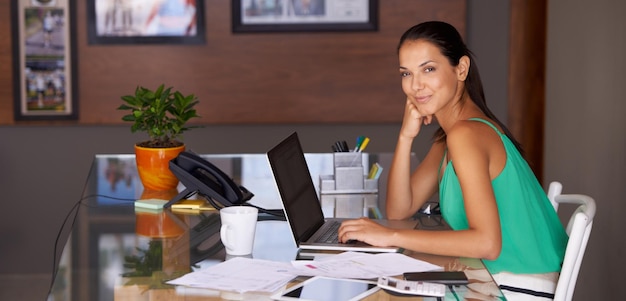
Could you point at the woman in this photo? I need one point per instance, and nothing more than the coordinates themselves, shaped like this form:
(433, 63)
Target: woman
(488, 194)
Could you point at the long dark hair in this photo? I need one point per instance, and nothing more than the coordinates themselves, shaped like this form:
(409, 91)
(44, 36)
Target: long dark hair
(451, 45)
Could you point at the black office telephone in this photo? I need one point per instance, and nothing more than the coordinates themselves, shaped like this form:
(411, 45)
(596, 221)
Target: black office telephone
(200, 176)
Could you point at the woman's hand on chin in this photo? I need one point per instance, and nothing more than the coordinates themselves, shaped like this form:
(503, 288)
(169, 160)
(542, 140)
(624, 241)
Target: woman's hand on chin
(413, 120)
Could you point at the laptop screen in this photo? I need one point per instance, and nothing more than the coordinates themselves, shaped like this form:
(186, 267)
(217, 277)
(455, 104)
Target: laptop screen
(299, 198)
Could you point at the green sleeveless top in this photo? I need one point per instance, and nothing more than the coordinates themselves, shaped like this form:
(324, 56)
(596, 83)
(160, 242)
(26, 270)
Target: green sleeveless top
(533, 238)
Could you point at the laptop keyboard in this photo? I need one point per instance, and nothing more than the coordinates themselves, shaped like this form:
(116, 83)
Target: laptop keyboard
(330, 233)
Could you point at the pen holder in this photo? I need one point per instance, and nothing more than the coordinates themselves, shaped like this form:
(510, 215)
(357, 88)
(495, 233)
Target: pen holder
(349, 176)
(348, 169)
(352, 205)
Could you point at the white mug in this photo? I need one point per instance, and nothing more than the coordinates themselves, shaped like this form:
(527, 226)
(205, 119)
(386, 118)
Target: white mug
(238, 228)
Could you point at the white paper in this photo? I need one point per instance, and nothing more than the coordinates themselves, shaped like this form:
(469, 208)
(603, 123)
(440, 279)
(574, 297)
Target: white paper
(241, 275)
(362, 265)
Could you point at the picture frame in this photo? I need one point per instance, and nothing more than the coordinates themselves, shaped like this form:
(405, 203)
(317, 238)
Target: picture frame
(44, 64)
(145, 22)
(304, 15)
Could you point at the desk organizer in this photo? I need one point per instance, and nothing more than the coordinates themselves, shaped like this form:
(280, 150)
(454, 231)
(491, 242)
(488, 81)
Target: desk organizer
(349, 176)
(350, 205)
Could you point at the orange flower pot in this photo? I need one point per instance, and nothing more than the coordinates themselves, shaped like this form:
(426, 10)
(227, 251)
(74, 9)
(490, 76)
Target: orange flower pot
(160, 224)
(153, 167)
(157, 225)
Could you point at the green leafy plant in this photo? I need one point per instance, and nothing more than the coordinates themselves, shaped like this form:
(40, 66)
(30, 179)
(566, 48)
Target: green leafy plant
(147, 267)
(161, 113)
(149, 261)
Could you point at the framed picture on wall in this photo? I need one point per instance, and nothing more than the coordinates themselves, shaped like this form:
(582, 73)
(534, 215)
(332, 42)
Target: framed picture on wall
(304, 15)
(44, 60)
(145, 21)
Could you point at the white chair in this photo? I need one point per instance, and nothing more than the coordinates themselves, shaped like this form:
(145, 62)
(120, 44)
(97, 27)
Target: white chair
(554, 189)
(578, 229)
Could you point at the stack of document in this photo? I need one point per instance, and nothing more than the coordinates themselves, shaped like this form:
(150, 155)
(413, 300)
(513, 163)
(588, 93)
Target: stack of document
(358, 265)
(240, 275)
(243, 275)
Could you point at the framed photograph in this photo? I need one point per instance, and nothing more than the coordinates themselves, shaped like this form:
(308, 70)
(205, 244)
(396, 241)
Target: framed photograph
(44, 60)
(304, 15)
(145, 21)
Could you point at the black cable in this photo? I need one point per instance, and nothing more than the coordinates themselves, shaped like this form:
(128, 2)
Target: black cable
(108, 197)
(56, 241)
(277, 213)
(75, 207)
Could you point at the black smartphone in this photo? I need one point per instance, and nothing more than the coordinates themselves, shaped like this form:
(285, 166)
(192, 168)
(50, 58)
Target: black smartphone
(444, 277)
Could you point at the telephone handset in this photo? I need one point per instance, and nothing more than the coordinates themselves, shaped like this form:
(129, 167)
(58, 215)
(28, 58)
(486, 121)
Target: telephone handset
(200, 176)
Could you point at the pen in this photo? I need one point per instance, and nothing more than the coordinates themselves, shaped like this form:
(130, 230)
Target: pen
(341, 146)
(359, 140)
(338, 146)
(364, 144)
(344, 146)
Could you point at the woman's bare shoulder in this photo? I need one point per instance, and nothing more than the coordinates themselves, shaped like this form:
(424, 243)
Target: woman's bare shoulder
(470, 134)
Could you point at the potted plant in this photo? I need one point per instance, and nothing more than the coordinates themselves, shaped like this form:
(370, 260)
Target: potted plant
(150, 270)
(163, 114)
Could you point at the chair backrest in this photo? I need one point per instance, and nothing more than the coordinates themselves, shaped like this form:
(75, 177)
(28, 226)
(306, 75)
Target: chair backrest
(555, 189)
(578, 229)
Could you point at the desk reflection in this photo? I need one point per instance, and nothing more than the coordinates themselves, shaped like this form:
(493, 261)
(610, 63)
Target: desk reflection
(117, 253)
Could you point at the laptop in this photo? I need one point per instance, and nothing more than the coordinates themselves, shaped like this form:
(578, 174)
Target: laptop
(302, 207)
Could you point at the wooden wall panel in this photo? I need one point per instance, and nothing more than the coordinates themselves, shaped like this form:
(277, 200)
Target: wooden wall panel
(258, 78)
(527, 84)
(6, 67)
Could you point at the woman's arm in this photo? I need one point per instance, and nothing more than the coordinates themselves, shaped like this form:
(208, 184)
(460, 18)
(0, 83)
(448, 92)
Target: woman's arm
(472, 148)
(478, 157)
(470, 152)
(405, 192)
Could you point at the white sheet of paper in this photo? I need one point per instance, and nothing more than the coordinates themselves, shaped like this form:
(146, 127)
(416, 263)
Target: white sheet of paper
(243, 274)
(240, 275)
(362, 265)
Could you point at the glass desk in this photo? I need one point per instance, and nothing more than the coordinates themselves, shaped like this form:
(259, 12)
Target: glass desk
(115, 253)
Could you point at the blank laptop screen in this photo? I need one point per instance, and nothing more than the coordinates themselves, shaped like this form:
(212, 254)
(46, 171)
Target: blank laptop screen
(296, 188)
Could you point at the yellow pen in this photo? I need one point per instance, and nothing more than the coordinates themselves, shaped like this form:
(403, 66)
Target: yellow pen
(364, 144)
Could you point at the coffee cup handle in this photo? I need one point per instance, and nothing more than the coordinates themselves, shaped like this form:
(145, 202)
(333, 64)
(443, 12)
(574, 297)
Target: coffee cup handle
(223, 236)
